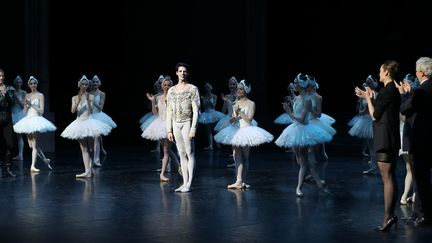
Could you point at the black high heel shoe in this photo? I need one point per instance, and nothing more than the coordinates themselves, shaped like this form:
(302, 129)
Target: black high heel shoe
(386, 228)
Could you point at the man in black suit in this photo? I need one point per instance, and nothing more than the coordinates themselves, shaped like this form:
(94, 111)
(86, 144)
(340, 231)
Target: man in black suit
(7, 135)
(421, 136)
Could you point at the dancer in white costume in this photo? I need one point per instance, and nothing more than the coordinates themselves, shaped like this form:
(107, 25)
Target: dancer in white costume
(18, 113)
(284, 118)
(301, 134)
(183, 104)
(243, 135)
(84, 128)
(98, 114)
(362, 127)
(210, 116)
(34, 123)
(148, 118)
(156, 131)
(323, 120)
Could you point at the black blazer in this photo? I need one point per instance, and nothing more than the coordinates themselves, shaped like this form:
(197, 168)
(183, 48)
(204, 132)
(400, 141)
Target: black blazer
(421, 106)
(409, 120)
(386, 125)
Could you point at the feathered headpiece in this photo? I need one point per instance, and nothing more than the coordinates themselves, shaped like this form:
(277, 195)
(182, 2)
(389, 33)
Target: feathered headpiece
(247, 88)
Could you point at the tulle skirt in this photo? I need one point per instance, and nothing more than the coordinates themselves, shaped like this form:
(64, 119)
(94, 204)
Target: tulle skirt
(225, 122)
(302, 135)
(145, 124)
(324, 125)
(283, 119)
(90, 127)
(362, 128)
(103, 117)
(211, 116)
(156, 130)
(327, 119)
(145, 117)
(32, 124)
(244, 136)
(354, 120)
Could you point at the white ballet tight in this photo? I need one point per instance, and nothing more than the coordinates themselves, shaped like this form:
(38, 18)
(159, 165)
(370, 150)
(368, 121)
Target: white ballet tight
(186, 149)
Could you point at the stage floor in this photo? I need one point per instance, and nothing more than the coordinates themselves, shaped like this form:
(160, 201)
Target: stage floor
(126, 202)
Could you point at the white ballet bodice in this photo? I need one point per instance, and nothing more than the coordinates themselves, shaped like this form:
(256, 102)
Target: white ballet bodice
(242, 122)
(32, 111)
(83, 112)
(298, 108)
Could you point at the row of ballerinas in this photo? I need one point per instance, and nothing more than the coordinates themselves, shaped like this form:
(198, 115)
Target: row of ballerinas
(91, 122)
(308, 131)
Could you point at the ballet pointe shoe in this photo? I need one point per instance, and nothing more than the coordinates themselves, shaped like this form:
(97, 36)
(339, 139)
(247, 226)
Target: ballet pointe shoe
(163, 178)
(185, 188)
(299, 193)
(97, 163)
(86, 174)
(179, 189)
(34, 169)
(48, 163)
(236, 185)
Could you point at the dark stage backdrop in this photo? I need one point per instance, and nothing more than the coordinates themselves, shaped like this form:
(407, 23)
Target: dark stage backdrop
(128, 44)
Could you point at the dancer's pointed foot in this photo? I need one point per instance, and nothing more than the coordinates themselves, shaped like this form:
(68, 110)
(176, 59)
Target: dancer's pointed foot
(163, 178)
(236, 185)
(97, 163)
(48, 163)
(185, 188)
(179, 189)
(84, 175)
(34, 169)
(18, 157)
(299, 192)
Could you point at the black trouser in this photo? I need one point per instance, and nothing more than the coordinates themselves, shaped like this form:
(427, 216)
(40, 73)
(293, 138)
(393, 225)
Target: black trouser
(422, 174)
(7, 139)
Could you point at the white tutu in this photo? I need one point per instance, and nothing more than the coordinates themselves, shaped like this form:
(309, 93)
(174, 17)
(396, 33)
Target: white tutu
(103, 117)
(283, 119)
(148, 122)
(145, 117)
(156, 130)
(225, 122)
(90, 127)
(210, 116)
(245, 136)
(225, 135)
(324, 125)
(17, 114)
(31, 124)
(353, 120)
(362, 128)
(302, 135)
(327, 119)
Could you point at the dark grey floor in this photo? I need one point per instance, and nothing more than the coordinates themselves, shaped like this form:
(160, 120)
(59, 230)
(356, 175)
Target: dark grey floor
(126, 202)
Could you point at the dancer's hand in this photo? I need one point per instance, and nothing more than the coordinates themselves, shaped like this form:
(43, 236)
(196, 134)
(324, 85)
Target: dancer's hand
(170, 137)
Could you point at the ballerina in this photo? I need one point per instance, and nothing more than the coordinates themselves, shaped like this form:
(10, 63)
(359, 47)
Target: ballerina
(34, 123)
(242, 135)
